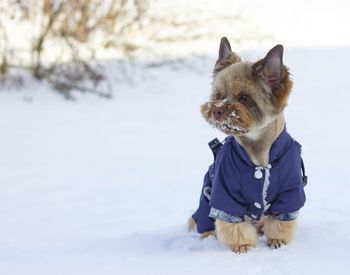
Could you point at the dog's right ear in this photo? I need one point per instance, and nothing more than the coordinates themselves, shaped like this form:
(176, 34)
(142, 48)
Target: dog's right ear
(226, 56)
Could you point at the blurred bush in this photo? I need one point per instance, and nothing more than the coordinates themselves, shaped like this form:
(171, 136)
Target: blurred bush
(64, 41)
(57, 40)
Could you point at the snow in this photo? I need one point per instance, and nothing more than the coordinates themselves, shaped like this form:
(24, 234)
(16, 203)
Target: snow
(98, 186)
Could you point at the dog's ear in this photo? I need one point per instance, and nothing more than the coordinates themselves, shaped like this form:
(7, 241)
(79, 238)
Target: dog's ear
(225, 49)
(226, 56)
(270, 68)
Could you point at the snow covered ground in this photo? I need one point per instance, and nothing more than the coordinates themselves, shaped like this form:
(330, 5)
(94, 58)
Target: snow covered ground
(105, 186)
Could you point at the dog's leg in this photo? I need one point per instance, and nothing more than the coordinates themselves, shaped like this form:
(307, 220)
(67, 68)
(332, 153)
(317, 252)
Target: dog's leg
(191, 226)
(239, 237)
(279, 233)
(260, 226)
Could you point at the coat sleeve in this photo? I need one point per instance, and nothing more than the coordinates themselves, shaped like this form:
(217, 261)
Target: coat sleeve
(288, 204)
(227, 203)
(291, 196)
(205, 223)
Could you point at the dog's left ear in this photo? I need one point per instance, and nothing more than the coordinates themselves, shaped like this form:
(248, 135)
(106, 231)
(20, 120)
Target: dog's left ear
(270, 68)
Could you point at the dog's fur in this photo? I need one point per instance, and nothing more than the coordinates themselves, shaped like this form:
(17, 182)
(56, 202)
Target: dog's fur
(247, 101)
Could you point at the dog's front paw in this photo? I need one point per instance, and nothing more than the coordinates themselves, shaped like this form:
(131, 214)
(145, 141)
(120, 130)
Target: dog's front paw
(191, 225)
(207, 234)
(276, 243)
(278, 233)
(242, 248)
(239, 237)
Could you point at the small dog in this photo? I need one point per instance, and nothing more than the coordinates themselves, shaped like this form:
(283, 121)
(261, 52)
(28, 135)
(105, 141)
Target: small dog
(255, 183)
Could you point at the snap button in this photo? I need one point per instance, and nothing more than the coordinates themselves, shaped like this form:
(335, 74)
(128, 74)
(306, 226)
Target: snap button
(258, 174)
(257, 205)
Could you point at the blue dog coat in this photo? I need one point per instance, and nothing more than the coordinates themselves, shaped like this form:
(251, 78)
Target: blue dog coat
(234, 187)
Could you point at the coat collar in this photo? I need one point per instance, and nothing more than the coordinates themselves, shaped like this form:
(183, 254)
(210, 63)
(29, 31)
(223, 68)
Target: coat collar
(277, 150)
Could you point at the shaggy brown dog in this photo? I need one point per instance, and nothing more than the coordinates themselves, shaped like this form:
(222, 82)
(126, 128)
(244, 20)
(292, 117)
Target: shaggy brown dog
(256, 93)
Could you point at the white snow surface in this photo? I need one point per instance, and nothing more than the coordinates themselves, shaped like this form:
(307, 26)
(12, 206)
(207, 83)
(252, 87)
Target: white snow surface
(99, 186)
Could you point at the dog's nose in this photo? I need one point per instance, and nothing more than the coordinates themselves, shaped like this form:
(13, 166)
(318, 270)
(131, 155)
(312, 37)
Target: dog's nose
(217, 113)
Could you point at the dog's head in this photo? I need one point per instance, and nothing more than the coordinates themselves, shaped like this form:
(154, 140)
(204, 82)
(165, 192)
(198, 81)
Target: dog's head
(247, 96)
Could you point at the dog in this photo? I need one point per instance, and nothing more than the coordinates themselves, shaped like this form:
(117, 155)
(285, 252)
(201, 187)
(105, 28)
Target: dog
(255, 184)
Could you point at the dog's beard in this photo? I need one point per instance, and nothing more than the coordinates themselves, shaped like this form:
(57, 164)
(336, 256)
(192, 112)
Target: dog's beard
(227, 123)
(227, 127)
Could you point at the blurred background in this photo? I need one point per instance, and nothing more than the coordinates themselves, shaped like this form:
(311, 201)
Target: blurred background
(73, 45)
(103, 148)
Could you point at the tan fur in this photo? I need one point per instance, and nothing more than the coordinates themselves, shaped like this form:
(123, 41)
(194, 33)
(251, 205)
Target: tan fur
(207, 234)
(258, 149)
(222, 64)
(232, 78)
(191, 225)
(239, 237)
(284, 90)
(256, 124)
(279, 232)
(227, 87)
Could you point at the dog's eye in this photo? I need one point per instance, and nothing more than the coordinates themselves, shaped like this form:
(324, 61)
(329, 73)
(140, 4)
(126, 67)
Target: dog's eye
(243, 98)
(218, 96)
